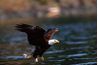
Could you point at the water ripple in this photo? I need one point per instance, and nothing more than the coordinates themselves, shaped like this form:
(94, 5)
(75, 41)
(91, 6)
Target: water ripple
(76, 55)
(88, 63)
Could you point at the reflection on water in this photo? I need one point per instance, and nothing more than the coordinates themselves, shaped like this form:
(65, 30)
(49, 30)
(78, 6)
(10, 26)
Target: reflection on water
(78, 46)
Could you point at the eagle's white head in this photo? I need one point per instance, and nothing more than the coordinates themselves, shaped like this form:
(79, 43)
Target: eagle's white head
(53, 41)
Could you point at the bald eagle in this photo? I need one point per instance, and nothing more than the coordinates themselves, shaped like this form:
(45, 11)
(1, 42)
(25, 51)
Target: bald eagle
(39, 38)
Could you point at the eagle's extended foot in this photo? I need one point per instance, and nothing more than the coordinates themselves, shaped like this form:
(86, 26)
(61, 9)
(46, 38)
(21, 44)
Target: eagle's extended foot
(27, 56)
(38, 59)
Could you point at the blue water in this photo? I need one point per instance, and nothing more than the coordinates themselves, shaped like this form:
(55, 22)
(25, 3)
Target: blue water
(77, 44)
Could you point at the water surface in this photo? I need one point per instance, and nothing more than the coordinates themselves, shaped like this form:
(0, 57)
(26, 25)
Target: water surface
(78, 46)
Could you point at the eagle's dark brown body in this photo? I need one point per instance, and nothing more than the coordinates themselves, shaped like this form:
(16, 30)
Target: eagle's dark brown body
(37, 37)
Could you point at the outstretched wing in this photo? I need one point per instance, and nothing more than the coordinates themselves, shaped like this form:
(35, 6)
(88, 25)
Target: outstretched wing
(50, 32)
(35, 34)
(30, 29)
(24, 27)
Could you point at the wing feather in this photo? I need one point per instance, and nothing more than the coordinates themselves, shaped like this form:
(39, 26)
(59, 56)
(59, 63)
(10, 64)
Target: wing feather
(50, 32)
(35, 34)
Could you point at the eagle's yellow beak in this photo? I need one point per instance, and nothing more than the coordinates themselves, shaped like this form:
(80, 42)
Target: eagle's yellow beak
(58, 42)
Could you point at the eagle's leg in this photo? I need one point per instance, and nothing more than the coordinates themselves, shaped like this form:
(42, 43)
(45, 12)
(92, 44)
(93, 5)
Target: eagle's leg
(38, 59)
(37, 55)
(43, 49)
